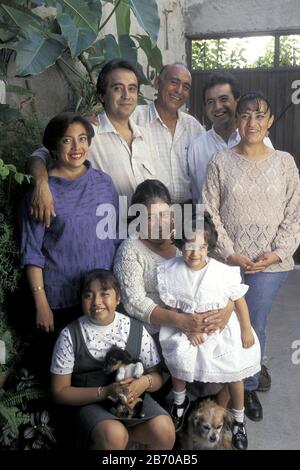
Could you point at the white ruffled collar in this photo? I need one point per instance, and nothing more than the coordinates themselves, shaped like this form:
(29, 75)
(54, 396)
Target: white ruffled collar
(215, 288)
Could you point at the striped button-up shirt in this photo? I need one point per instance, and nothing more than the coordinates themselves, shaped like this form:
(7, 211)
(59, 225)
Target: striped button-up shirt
(172, 149)
(110, 152)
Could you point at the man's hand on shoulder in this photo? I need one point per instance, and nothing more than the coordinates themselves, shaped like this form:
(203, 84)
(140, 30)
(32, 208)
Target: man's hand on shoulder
(42, 205)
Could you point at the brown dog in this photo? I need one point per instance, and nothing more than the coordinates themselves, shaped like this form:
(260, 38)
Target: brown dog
(205, 427)
(119, 363)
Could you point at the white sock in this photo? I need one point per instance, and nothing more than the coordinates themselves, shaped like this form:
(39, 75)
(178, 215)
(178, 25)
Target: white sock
(238, 415)
(179, 397)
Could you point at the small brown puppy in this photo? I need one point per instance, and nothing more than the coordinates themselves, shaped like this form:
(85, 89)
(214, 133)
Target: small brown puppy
(205, 428)
(120, 364)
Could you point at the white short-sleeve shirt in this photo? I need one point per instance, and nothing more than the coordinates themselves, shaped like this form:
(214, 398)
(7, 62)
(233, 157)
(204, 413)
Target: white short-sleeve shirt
(99, 339)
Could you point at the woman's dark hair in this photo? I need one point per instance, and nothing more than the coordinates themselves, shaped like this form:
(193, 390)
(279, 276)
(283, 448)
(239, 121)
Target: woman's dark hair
(250, 96)
(109, 67)
(149, 190)
(210, 232)
(104, 277)
(56, 129)
(222, 78)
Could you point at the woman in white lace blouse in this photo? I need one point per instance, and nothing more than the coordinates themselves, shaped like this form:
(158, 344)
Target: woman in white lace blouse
(135, 268)
(253, 195)
(136, 263)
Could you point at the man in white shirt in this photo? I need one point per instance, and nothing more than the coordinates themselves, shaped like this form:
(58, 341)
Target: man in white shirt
(171, 129)
(220, 96)
(120, 147)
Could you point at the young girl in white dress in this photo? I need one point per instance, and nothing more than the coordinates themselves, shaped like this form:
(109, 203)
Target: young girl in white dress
(194, 283)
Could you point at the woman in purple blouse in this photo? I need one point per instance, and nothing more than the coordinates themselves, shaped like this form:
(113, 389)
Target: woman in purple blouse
(56, 257)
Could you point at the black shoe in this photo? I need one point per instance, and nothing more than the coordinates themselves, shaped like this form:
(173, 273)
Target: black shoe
(264, 383)
(178, 413)
(253, 408)
(239, 436)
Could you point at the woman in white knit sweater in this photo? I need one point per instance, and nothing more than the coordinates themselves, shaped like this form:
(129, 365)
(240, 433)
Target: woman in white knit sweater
(253, 195)
(135, 267)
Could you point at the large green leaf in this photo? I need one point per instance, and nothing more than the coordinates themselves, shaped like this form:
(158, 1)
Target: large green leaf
(108, 48)
(111, 48)
(125, 49)
(78, 39)
(144, 80)
(21, 17)
(123, 17)
(128, 48)
(153, 53)
(38, 53)
(86, 14)
(7, 32)
(96, 54)
(146, 13)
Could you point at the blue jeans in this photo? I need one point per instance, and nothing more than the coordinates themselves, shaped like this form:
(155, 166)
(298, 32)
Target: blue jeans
(261, 294)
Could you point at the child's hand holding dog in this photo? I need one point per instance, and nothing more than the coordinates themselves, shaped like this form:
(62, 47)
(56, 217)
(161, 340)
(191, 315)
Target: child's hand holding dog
(113, 391)
(134, 387)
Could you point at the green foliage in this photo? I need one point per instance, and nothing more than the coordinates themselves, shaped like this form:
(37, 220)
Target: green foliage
(21, 427)
(289, 55)
(12, 417)
(73, 27)
(267, 59)
(9, 169)
(39, 435)
(211, 54)
(71, 31)
(231, 53)
(146, 13)
(88, 101)
(19, 138)
(9, 274)
(19, 397)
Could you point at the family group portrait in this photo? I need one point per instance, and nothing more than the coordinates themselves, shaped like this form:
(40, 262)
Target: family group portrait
(149, 226)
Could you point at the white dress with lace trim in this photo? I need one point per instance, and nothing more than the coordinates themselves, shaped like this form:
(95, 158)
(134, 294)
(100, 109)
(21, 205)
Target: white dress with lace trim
(221, 358)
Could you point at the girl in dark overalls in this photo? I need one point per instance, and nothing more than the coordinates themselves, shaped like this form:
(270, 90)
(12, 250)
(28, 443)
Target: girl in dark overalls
(78, 378)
